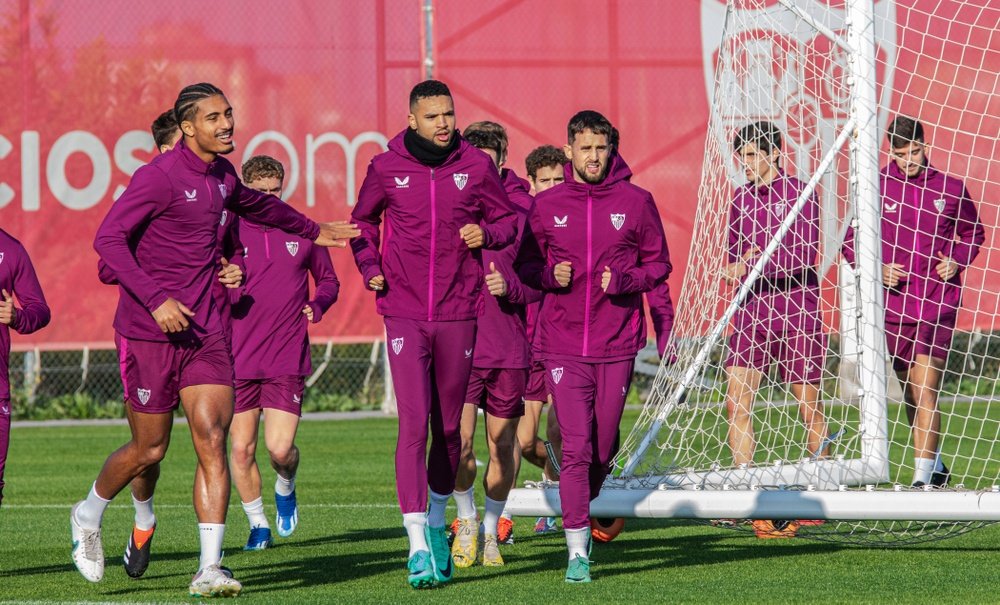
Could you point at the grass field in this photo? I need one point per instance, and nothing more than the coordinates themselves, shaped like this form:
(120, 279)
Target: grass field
(350, 546)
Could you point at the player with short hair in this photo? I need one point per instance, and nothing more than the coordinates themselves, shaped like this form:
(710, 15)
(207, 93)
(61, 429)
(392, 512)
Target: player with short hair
(442, 201)
(271, 353)
(499, 374)
(930, 234)
(165, 131)
(28, 313)
(160, 240)
(594, 244)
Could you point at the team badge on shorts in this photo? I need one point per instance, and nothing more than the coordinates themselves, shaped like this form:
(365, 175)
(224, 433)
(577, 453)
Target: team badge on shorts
(557, 375)
(460, 180)
(143, 395)
(1, 257)
(397, 345)
(293, 247)
(468, 353)
(618, 220)
(939, 204)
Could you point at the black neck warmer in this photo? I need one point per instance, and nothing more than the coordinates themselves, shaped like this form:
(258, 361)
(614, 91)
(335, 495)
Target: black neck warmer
(426, 152)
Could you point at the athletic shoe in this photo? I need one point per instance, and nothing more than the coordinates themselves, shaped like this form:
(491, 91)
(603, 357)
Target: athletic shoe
(421, 570)
(287, 517)
(137, 551)
(88, 552)
(466, 543)
(767, 529)
(453, 529)
(505, 530)
(546, 525)
(437, 538)
(940, 479)
(211, 581)
(260, 538)
(491, 552)
(578, 570)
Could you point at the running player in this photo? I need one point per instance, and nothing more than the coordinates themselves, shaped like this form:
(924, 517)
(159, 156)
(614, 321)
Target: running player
(594, 244)
(442, 200)
(271, 353)
(159, 241)
(930, 233)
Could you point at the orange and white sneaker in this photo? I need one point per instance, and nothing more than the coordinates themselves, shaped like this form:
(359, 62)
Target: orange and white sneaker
(768, 530)
(505, 530)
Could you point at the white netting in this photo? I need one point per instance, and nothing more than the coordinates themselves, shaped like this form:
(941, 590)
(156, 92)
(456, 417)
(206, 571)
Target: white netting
(775, 61)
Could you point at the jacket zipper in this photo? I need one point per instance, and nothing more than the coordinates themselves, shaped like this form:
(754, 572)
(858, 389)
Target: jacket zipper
(589, 269)
(430, 270)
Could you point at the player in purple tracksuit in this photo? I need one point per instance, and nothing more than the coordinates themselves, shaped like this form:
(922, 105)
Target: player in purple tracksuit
(28, 314)
(930, 234)
(271, 353)
(594, 244)
(441, 200)
(779, 323)
(499, 374)
(159, 240)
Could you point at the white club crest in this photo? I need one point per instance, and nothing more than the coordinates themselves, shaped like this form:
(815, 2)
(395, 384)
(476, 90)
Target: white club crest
(225, 215)
(293, 247)
(618, 220)
(939, 204)
(397, 345)
(1, 258)
(557, 375)
(223, 190)
(460, 180)
(143, 395)
(560, 222)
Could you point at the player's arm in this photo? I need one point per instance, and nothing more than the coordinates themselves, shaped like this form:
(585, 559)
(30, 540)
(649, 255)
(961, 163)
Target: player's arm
(269, 210)
(146, 196)
(327, 284)
(34, 313)
(661, 310)
(499, 224)
(514, 290)
(969, 233)
(737, 252)
(367, 214)
(654, 257)
(104, 273)
(531, 262)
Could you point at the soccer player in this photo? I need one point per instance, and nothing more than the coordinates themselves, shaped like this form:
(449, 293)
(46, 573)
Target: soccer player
(271, 353)
(499, 374)
(442, 200)
(29, 313)
(930, 234)
(165, 130)
(159, 241)
(594, 244)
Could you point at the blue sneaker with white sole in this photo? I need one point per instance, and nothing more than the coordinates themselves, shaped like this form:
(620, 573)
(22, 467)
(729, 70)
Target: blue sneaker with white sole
(260, 539)
(287, 517)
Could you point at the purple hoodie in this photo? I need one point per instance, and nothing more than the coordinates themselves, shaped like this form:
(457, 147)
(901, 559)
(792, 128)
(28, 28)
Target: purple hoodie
(17, 276)
(613, 223)
(922, 216)
(786, 296)
(269, 329)
(430, 273)
(501, 331)
(161, 239)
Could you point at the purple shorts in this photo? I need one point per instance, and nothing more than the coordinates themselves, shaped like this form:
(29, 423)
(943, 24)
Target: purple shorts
(282, 393)
(498, 391)
(536, 390)
(906, 341)
(800, 354)
(153, 373)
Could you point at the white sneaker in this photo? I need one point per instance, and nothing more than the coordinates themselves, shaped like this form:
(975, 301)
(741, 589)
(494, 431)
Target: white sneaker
(212, 581)
(88, 553)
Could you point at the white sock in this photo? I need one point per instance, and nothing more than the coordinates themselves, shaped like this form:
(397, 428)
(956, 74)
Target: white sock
(90, 514)
(284, 487)
(144, 517)
(414, 524)
(923, 467)
(578, 542)
(466, 503)
(435, 514)
(492, 515)
(255, 513)
(211, 535)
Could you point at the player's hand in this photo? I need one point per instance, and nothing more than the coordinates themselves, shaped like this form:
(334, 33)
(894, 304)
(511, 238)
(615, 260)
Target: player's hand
(734, 272)
(8, 312)
(563, 273)
(231, 276)
(606, 278)
(308, 312)
(893, 274)
(336, 233)
(472, 235)
(495, 282)
(172, 316)
(947, 268)
(377, 283)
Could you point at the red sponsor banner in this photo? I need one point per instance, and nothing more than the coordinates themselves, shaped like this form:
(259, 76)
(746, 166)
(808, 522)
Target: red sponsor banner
(322, 86)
